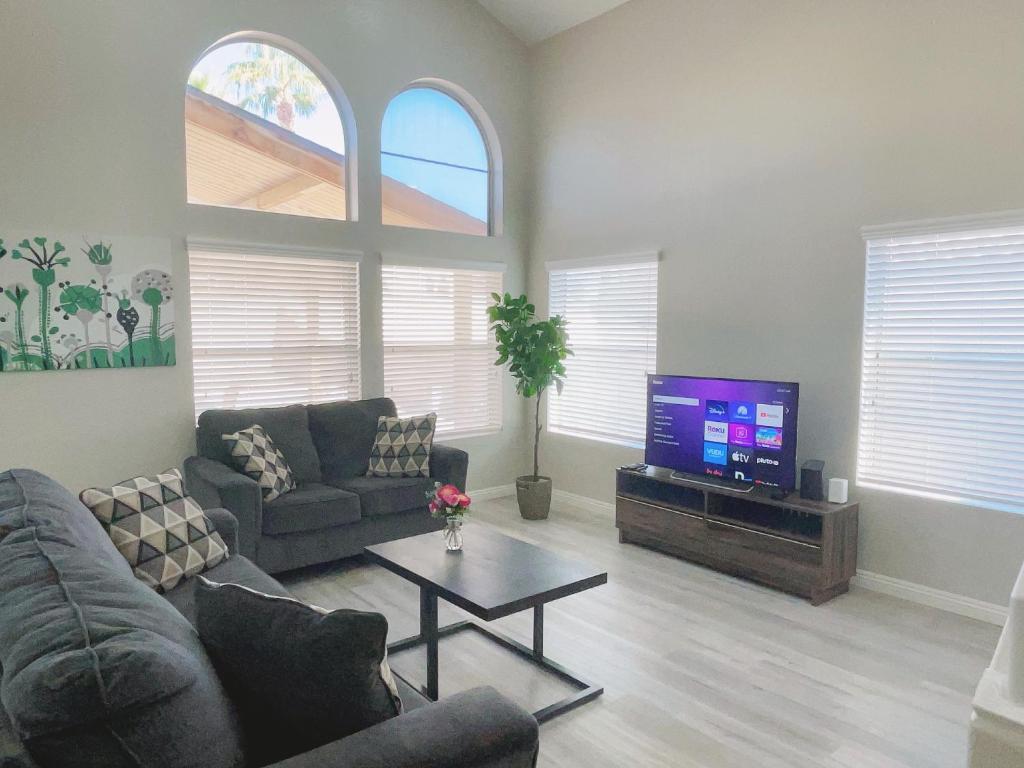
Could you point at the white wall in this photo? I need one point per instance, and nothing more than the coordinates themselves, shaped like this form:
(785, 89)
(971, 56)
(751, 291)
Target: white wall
(750, 141)
(92, 139)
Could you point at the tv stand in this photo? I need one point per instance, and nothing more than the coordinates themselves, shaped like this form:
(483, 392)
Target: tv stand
(807, 548)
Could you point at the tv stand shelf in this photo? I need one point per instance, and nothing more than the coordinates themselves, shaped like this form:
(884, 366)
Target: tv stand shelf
(808, 548)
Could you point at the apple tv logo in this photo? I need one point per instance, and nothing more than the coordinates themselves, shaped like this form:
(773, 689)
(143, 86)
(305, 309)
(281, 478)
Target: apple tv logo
(740, 455)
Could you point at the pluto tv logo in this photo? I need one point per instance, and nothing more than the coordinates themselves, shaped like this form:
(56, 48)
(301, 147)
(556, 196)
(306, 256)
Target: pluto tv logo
(767, 467)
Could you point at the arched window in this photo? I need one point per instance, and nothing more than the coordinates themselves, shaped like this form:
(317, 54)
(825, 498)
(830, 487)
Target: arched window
(263, 131)
(437, 168)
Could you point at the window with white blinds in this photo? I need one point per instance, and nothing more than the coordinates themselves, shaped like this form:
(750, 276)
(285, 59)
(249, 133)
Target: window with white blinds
(612, 313)
(942, 388)
(438, 352)
(272, 328)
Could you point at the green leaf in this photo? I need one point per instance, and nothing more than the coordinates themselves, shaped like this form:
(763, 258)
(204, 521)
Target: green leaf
(54, 330)
(37, 338)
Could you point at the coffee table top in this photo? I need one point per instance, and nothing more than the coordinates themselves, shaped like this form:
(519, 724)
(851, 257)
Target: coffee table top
(493, 576)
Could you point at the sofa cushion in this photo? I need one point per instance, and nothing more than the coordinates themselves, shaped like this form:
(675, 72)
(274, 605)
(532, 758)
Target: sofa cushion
(303, 676)
(160, 530)
(288, 425)
(401, 447)
(237, 570)
(309, 508)
(255, 455)
(53, 507)
(387, 495)
(343, 433)
(98, 669)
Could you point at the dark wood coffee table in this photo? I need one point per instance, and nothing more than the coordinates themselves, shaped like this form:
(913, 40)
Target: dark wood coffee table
(494, 576)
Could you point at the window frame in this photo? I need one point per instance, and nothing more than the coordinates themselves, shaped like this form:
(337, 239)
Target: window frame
(611, 262)
(923, 230)
(492, 146)
(334, 90)
(496, 422)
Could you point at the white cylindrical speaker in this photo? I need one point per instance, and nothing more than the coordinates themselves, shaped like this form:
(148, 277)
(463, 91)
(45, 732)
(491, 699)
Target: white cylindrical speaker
(838, 490)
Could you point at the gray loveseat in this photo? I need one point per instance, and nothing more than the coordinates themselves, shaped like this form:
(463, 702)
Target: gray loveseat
(336, 510)
(100, 671)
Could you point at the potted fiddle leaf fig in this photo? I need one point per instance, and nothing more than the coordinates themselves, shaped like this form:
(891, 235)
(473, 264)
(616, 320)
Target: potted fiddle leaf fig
(534, 351)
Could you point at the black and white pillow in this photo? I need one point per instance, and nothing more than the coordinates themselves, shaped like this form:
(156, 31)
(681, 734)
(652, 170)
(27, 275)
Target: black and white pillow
(159, 529)
(256, 456)
(402, 446)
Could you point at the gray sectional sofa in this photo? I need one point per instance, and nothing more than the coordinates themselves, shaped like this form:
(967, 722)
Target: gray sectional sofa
(336, 510)
(101, 671)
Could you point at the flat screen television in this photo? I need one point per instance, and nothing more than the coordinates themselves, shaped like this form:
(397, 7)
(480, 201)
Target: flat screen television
(734, 430)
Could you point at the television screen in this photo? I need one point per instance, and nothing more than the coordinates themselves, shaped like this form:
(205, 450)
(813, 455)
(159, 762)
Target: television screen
(731, 429)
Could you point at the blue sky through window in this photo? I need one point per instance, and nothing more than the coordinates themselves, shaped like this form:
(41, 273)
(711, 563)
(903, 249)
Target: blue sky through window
(431, 143)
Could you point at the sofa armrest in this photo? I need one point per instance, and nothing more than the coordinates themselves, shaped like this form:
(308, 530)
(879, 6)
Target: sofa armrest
(449, 465)
(226, 525)
(479, 728)
(214, 485)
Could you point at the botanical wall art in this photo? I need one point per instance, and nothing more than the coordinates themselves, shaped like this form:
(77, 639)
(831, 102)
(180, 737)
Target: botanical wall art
(84, 302)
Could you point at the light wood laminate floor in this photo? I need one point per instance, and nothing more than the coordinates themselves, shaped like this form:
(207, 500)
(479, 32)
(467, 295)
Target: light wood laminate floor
(699, 668)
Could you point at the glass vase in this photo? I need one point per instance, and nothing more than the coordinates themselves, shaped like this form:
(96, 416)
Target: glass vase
(453, 534)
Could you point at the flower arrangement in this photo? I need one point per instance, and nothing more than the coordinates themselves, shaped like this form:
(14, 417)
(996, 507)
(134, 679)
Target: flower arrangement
(447, 501)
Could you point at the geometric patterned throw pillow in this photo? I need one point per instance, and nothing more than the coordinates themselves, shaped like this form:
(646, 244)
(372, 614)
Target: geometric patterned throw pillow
(161, 531)
(402, 446)
(256, 456)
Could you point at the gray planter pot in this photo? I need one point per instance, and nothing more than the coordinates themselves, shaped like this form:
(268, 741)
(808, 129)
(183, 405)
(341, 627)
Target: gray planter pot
(534, 496)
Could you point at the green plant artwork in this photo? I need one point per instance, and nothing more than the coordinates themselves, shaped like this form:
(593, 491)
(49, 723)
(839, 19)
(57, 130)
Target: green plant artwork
(58, 309)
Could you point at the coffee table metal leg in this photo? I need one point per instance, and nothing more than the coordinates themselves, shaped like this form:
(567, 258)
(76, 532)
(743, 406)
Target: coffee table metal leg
(538, 631)
(428, 631)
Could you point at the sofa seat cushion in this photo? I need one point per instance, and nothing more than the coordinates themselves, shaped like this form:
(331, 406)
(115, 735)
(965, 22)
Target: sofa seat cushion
(310, 507)
(289, 427)
(388, 495)
(97, 667)
(237, 570)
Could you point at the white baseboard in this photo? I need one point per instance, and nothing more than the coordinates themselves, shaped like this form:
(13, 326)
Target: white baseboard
(876, 582)
(494, 492)
(936, 598)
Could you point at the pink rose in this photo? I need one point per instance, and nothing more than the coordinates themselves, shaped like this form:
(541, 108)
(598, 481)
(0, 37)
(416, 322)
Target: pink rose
(463, 500)
(449, 494)
(433, 506)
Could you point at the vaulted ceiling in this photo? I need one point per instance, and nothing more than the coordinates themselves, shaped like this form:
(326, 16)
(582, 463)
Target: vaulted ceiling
(536, 20)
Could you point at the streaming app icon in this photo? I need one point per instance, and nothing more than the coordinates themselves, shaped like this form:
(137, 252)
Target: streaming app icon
(740, 456)
(715, 453)
(716, 431)
(767, 468)
(769, 415)
(740, 412)
(768, 437)
(739, 475)
(741, 434)
(716, 410)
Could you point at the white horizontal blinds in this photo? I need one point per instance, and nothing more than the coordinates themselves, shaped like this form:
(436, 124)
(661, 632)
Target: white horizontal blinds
(273, 329)
(612, 315)
(942, 393)
(438, 352)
